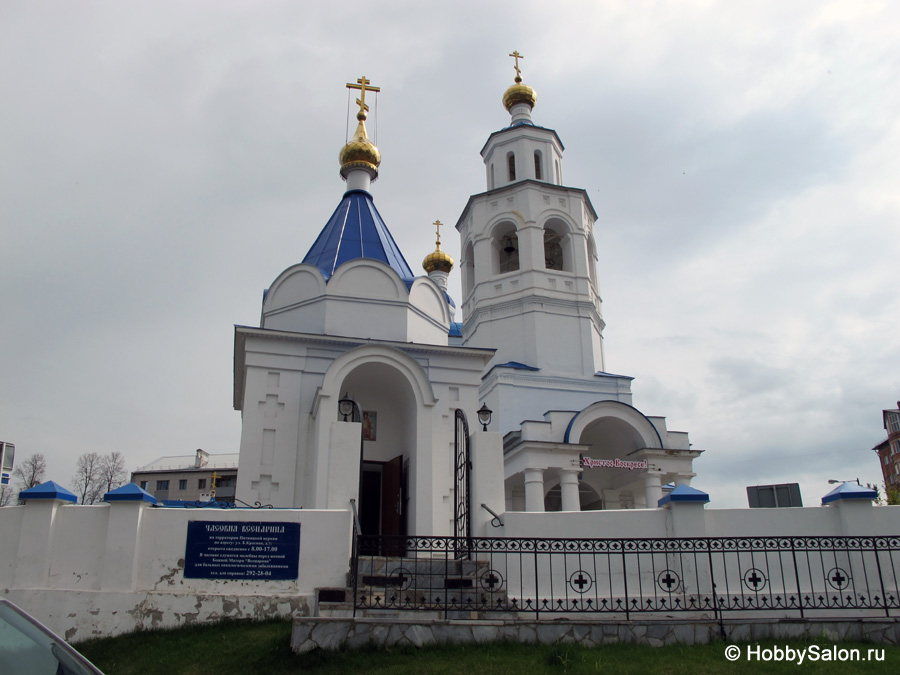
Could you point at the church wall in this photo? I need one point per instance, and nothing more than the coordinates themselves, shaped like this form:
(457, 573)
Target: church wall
(271, 422)
(108, 569)
(375, 319)
(308, 317)
(365, 298)
(429, 314)
(515, 396)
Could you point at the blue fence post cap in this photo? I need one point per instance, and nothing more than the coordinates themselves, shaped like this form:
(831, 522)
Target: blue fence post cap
(48, 490)
(849, 491)
(684, 494)
(129, 493)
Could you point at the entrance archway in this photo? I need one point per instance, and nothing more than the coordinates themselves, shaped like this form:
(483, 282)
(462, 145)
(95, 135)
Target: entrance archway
(396, 401)
(612, 431)
(388, 407)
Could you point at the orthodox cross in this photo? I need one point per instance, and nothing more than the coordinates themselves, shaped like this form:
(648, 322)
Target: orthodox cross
(516, 55)
(437, 225)
(362, 84)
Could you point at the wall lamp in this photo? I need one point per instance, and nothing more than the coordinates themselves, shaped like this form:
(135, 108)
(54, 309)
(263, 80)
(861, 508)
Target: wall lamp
(346, 405)
(484, 416)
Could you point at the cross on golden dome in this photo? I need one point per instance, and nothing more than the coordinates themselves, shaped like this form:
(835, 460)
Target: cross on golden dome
(360, 152)
(362, 84)
(438, 260)
(516, 55)
(519, 92)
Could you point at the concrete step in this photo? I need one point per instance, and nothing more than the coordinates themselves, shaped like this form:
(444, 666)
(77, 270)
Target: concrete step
(418, 581)
(387, 566)
(345, 611)
(455, 604)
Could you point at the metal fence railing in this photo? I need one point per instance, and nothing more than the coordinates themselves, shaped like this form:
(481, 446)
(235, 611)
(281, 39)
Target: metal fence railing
(707, 578)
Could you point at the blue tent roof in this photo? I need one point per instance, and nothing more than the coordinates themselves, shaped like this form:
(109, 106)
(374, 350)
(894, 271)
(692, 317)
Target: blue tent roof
(684, 493)
(356, 230)
(48, 490)
(849, 491)
(129, 493)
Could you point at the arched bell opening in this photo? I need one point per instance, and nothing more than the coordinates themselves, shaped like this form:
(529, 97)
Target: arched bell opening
(505, 243)
(557, 246)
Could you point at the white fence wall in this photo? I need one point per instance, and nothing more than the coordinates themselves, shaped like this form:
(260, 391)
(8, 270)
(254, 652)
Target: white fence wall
(841, 518)
(103, 570)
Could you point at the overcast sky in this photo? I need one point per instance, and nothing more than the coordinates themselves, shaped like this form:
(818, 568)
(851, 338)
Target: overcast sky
(162, 162)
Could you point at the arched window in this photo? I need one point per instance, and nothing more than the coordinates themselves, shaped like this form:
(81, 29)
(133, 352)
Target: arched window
(592, 260)
(491, 179)
(538, 173)
(511, 165)
(468, 270)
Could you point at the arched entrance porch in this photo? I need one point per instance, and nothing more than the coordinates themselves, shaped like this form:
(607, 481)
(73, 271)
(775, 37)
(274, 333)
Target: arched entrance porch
(395, 400)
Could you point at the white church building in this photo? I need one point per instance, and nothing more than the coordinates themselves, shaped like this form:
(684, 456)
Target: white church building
(353, 321)
(356, 392)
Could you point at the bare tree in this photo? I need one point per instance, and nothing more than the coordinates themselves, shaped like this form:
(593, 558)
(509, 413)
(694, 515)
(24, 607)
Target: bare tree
(6, 493)
(31, 472)
(112, 471)
(87, 476)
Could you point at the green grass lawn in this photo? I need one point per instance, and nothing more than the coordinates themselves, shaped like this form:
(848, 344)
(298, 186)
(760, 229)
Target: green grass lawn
(264, 648)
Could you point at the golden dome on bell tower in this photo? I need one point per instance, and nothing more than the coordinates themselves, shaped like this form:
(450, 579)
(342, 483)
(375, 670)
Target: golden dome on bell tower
(518, 93)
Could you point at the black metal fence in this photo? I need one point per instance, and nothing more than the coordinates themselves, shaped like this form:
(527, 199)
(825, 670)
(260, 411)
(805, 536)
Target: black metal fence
(707, 578)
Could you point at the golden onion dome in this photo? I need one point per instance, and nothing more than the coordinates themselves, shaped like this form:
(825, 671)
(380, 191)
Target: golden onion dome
(519, 93)
(360, 152)
(437, 260)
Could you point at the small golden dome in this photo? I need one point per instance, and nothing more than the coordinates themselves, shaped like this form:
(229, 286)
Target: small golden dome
(360, 152)
(438, 260)
(519, 93)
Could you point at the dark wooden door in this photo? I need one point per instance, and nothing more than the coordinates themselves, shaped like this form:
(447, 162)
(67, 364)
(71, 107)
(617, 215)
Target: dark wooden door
(392, 497)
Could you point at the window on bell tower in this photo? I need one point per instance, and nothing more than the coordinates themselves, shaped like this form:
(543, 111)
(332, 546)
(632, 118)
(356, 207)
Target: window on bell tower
(537, 165)
(467, 265)
(511, 166)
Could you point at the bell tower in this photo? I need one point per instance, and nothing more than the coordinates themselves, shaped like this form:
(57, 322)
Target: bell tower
(528, 253)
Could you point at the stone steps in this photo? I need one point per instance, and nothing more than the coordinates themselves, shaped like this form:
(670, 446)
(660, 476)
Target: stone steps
(403, 588)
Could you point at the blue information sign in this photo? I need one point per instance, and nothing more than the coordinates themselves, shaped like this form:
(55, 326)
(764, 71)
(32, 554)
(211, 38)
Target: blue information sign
(218, 549)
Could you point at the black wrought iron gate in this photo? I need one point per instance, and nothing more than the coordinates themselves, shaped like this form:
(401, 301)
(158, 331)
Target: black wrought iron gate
(463, 465)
